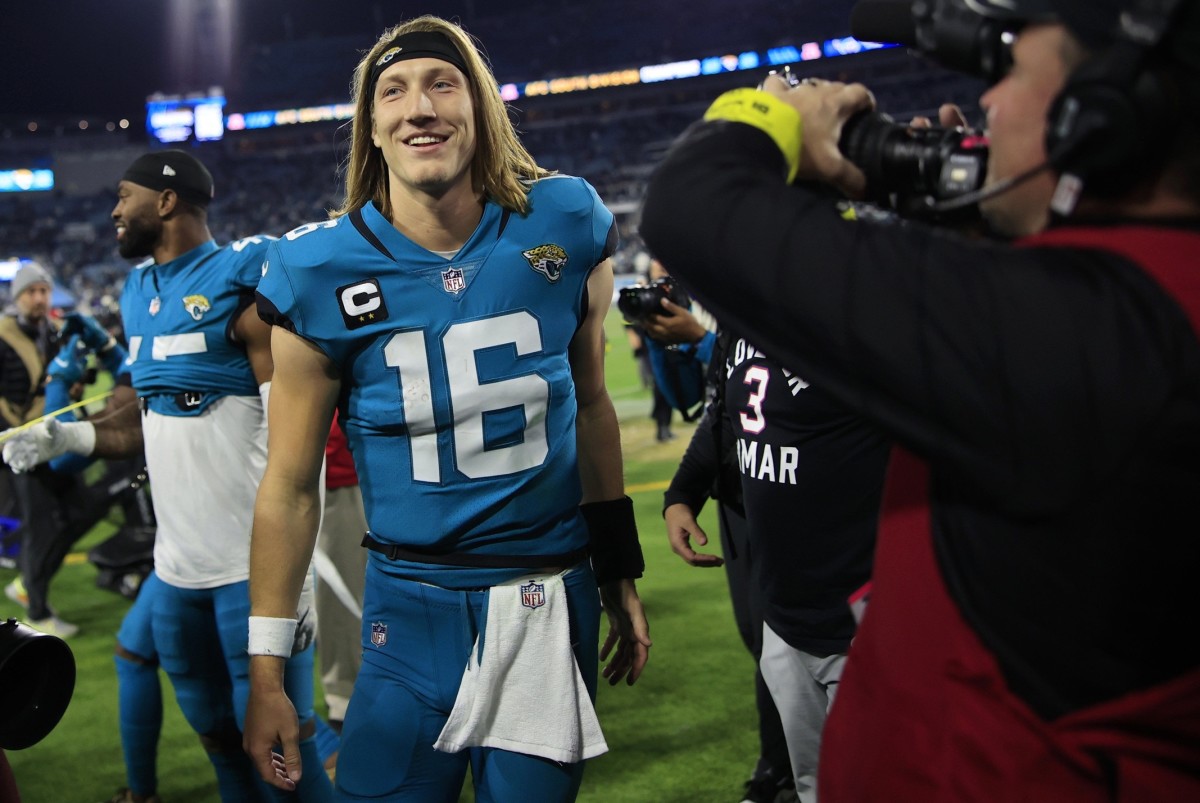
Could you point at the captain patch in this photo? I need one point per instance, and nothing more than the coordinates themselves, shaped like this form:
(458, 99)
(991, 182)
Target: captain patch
(361, 303)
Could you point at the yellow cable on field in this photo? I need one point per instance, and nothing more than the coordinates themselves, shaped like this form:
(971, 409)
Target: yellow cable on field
(58, 412)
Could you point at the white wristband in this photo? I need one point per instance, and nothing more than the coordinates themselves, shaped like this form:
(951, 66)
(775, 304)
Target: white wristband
(79, 437)
(271, 635)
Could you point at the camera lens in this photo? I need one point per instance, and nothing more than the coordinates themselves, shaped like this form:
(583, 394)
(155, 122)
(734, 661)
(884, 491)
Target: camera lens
(640, 302)
(908, 167)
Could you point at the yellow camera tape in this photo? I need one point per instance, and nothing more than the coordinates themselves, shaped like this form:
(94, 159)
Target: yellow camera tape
(767, 113)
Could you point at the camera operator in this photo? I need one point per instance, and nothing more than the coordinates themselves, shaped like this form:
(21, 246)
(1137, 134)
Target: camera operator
(1036, 558)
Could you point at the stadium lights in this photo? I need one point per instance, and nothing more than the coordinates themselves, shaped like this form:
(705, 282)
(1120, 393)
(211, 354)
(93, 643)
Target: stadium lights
(651, 73)
(200, 115)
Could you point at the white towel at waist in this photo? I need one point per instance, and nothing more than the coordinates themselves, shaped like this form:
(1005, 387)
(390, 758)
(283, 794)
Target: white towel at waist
(525, 693)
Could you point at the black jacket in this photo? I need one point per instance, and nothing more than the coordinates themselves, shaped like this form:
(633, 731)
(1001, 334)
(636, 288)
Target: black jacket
(1054, 391)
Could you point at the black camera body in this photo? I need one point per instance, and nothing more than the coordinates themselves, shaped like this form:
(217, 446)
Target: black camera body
(37, 679)
(639, 302)
(910, 169)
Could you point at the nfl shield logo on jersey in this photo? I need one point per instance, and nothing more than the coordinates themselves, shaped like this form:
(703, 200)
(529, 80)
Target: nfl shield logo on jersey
(378, 633)
(533, 595)
(453, 281)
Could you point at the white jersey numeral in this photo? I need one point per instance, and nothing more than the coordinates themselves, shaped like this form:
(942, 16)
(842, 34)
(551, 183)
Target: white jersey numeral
(240, 245)
(471, 399)
(405, 351)
(752, 419)
(173, 345)
(309, 228)
(164, 346)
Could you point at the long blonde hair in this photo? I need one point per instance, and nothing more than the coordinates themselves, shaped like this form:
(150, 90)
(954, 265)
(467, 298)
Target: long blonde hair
(501, 166)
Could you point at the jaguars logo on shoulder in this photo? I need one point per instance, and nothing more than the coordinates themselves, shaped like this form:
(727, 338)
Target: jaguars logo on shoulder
(548, 260)
(196, 306)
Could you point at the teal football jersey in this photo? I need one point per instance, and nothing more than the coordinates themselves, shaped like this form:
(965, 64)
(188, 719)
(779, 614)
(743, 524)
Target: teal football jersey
(457, 396)
(177, 318)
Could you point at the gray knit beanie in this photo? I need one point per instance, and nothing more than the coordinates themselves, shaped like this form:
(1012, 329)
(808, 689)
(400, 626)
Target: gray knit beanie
(29, 273)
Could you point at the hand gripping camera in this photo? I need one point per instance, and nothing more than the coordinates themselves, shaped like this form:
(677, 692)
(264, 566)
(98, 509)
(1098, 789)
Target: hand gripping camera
(639, 302)
(912, 170)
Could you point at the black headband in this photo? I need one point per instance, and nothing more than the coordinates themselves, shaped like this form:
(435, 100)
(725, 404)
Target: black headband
(416, 45)
(173, 170)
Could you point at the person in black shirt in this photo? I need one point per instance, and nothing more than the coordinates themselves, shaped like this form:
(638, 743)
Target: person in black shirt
(811, 475)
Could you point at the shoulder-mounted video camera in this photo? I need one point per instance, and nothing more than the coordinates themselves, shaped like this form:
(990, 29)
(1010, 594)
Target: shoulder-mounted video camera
(915, 171)
(927, 173)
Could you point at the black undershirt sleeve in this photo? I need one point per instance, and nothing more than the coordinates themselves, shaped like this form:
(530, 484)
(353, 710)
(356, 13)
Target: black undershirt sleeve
(697, 472)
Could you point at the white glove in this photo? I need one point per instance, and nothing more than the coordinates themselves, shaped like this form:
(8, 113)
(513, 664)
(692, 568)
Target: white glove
(306, 615)
(45, 441)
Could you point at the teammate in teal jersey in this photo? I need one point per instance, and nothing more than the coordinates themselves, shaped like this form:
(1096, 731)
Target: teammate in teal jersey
(452, 311)
(199, 358)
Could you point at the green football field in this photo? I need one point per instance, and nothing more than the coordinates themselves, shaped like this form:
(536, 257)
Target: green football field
(685, 732)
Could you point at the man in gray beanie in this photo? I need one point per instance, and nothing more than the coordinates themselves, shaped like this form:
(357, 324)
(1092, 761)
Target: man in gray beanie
(27, 342)
(41, 500)
(31, 273)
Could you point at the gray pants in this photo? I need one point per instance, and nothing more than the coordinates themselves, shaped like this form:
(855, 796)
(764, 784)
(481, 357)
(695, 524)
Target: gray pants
(339, 631)
(803, 686)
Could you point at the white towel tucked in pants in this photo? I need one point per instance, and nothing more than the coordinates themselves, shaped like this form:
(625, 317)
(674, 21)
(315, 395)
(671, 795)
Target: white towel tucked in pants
(525, 694)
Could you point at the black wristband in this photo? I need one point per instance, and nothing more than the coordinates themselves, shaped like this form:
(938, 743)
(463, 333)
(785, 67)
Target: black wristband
(612, 530)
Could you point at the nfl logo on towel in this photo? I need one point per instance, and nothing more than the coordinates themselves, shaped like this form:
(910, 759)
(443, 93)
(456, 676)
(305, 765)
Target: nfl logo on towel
(452, 280)
(378, 633)
(533, 595)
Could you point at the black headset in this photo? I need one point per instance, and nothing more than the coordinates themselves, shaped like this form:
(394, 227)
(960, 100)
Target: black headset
(1106, 125)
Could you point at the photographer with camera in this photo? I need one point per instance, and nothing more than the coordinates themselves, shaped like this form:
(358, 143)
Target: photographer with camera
(675, 345)
(1036, 555)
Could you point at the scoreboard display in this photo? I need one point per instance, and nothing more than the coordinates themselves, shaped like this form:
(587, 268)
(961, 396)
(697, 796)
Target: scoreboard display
(176, 118)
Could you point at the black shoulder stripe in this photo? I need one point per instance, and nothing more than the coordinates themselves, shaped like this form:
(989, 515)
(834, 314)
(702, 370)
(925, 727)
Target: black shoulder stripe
(271, 314)
(611, 243)
(356, 219)
(584, 300)
(503, 222)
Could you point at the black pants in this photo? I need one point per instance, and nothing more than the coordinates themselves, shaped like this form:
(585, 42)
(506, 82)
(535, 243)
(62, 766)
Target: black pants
(55, 510)
(661, 412)
(746, 594)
